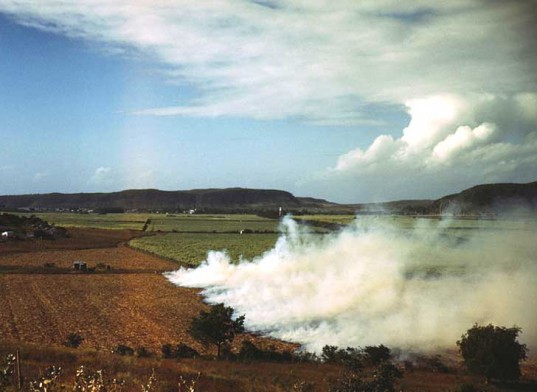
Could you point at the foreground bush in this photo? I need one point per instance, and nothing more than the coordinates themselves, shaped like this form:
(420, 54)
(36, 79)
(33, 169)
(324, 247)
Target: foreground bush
(216, 327)
(492, 351)
(85, 380)
(382, 380)
(179, 351)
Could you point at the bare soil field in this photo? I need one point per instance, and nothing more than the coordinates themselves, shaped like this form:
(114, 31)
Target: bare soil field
(130, 304)
(79, 238)
(118, 258)
(132, 309)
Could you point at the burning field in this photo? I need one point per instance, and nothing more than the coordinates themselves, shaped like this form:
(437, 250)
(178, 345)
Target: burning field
(416, 289)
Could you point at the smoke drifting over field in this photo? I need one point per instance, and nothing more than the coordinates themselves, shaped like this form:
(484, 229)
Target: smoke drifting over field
(374, 283)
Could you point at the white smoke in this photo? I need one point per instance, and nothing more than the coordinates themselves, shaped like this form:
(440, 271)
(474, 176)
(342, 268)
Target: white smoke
(416, 288)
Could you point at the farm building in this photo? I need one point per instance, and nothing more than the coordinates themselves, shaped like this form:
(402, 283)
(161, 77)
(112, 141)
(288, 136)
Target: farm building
(8, 234)
(80, 266)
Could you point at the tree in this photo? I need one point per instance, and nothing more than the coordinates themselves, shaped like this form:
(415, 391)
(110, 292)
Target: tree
(216, 327)
(493, 351)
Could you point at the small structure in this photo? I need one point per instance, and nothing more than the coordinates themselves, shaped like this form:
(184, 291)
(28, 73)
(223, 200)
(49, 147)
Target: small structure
(8, 234)
(80, 266)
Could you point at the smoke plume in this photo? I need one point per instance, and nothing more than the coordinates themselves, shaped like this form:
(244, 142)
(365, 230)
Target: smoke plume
(416, 288)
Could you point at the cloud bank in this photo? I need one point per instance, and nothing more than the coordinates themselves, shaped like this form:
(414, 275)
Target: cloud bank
(417, 289)
(452, 142)
(321, 61)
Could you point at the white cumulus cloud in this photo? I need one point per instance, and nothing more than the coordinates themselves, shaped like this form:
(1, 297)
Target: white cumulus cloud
(449, 143)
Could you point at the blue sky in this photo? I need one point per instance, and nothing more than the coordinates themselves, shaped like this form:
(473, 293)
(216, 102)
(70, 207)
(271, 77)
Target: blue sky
(353, 102)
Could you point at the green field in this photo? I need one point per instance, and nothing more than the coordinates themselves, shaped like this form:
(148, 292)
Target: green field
(219, 223)
(192, 248)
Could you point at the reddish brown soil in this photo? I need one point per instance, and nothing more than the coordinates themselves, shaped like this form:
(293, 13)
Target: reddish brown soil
(79, 238)
(131, 304)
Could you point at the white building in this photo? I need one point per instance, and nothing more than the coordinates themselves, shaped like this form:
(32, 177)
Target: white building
(8, 234)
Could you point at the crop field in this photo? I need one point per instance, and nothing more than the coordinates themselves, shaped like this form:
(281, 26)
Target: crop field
(340, 219)
(192, 248)
(97, 221)
(218, 223)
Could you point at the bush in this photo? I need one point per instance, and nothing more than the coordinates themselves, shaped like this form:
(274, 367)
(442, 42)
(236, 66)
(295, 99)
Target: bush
(375, 355)
(383, 380)
(179, 351)
(74, 340)
(142, 352)
(6, 371)
(216, 327)
(493, 351)
(350, 357)
(167, 351)
(184, 351)
(250, 352)
(122, 349)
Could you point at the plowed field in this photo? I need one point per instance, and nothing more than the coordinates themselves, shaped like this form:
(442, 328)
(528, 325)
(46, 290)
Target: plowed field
(132, 309)
(121, 257)
(131, 304)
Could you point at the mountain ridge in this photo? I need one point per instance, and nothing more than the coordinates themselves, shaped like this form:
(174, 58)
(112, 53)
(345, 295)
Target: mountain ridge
(481, 199)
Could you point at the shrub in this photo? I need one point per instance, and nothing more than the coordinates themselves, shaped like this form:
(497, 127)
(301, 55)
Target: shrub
(377, 354)
(122, 349)
(74, 340)
(47, 381)
(216, 327)
(6, 371)
(250, 352)
(142, 352)
(383, 380)
(493, 351)
(179, 351)
(350, 357)
(184, 351)
(167, 351)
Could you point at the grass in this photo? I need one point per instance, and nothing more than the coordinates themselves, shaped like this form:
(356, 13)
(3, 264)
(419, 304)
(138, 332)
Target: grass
(192, 248)
(96, 221)
(219, 223)
(211, 223)
(340, 219)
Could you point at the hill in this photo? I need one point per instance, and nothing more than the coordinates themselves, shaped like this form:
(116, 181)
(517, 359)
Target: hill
(478, 200)
(489, 199)
(153, 199)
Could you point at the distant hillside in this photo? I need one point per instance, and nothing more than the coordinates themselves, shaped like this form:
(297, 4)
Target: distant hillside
(490, 199)
(152, 199)
(481, 199)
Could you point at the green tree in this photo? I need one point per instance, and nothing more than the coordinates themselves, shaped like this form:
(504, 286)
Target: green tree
(216, 327)
(493, 351)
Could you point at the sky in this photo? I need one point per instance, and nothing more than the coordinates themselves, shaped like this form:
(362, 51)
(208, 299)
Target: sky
(350, 101)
